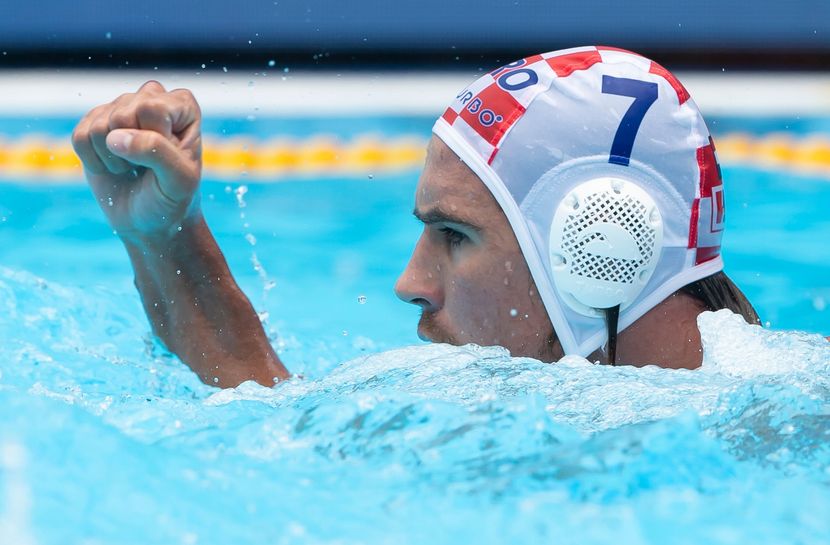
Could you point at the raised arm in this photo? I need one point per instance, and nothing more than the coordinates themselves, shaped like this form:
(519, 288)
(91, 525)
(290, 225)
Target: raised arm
(142, 157)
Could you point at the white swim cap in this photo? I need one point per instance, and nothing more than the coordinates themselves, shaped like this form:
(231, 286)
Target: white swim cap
(605, 170)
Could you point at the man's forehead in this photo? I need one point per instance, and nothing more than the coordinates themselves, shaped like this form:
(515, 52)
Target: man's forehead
(447, 180)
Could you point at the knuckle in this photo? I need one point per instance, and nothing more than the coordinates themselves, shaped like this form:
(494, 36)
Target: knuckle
(152, 86)
(80, 136)
(97, 110)
(99, 127)
(152, 107)
(121, 119)
(91, 115)
(123, 97)
(186, 96)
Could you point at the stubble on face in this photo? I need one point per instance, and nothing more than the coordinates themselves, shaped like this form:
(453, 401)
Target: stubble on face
(430, 329)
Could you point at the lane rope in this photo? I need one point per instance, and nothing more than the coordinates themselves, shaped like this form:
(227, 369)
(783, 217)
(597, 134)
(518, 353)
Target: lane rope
(51, 159)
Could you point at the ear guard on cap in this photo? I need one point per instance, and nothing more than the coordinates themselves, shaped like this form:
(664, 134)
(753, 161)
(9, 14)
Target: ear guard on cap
(605, 241)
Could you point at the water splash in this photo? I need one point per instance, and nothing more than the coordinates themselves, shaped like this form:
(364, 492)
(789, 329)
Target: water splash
(267, 282)
(434, 443)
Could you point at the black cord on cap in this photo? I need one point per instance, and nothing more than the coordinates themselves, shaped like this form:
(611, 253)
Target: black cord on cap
(612, 317)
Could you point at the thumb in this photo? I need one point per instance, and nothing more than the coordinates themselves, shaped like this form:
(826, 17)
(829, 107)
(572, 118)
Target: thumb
(176, 172)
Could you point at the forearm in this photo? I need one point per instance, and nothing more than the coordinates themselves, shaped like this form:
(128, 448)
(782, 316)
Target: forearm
(198, 311)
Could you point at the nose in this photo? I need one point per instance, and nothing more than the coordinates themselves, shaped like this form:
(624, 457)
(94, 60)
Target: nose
(420, 282)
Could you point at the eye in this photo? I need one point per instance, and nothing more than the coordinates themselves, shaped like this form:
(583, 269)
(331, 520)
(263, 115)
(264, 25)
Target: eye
(454, 238)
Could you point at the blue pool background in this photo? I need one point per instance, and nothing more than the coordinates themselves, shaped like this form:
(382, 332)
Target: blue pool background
(775, 246)
(104, 438)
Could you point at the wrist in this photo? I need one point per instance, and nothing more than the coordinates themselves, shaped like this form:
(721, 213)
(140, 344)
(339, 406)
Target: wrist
(167, 236)
(180, 239)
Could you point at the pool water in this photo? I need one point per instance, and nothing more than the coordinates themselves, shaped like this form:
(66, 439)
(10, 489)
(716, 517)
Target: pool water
(105, 438)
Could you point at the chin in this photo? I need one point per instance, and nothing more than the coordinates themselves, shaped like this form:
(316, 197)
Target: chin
(429, 331)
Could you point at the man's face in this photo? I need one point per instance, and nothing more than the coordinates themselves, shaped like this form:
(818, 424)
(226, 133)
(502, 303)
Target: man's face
(467, 273)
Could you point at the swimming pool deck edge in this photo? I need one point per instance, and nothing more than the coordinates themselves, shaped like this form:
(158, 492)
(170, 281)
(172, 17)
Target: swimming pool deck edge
(292, 94)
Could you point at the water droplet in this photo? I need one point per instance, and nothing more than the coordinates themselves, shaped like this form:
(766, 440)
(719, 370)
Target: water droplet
(361, 299)
(216, 380)
(371, 176)
(285, 70)
(251, 239)
(109, 201)
(514, 312)
(272, 63)
(108, 35)
(203, 66)
(240, 195)
(178, 271)
(225, 69)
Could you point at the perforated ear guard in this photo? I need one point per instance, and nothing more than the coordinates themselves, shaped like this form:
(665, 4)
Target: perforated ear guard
(605, 239)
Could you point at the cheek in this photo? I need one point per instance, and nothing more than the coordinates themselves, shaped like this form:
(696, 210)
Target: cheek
(481, 294)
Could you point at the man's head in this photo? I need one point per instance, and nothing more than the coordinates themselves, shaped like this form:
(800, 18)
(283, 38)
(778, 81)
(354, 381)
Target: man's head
(591, 164)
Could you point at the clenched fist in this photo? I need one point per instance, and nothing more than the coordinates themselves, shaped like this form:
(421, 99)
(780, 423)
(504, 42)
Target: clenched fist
(142, 156)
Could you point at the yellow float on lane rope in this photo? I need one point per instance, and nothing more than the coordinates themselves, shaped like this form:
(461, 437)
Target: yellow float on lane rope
(51, 159)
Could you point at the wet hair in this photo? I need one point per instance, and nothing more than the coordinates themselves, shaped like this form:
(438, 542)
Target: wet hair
(714, 292)
(717, 292)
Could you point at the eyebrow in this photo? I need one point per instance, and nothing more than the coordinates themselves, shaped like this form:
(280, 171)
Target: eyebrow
(438, 215)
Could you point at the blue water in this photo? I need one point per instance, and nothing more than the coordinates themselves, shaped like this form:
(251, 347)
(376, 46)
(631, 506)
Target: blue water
(106, 439)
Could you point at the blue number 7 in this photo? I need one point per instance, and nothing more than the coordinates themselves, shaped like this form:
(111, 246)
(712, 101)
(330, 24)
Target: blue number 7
(644, 94)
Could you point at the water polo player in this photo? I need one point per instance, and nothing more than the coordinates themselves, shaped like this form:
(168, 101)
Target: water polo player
(572, 204)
